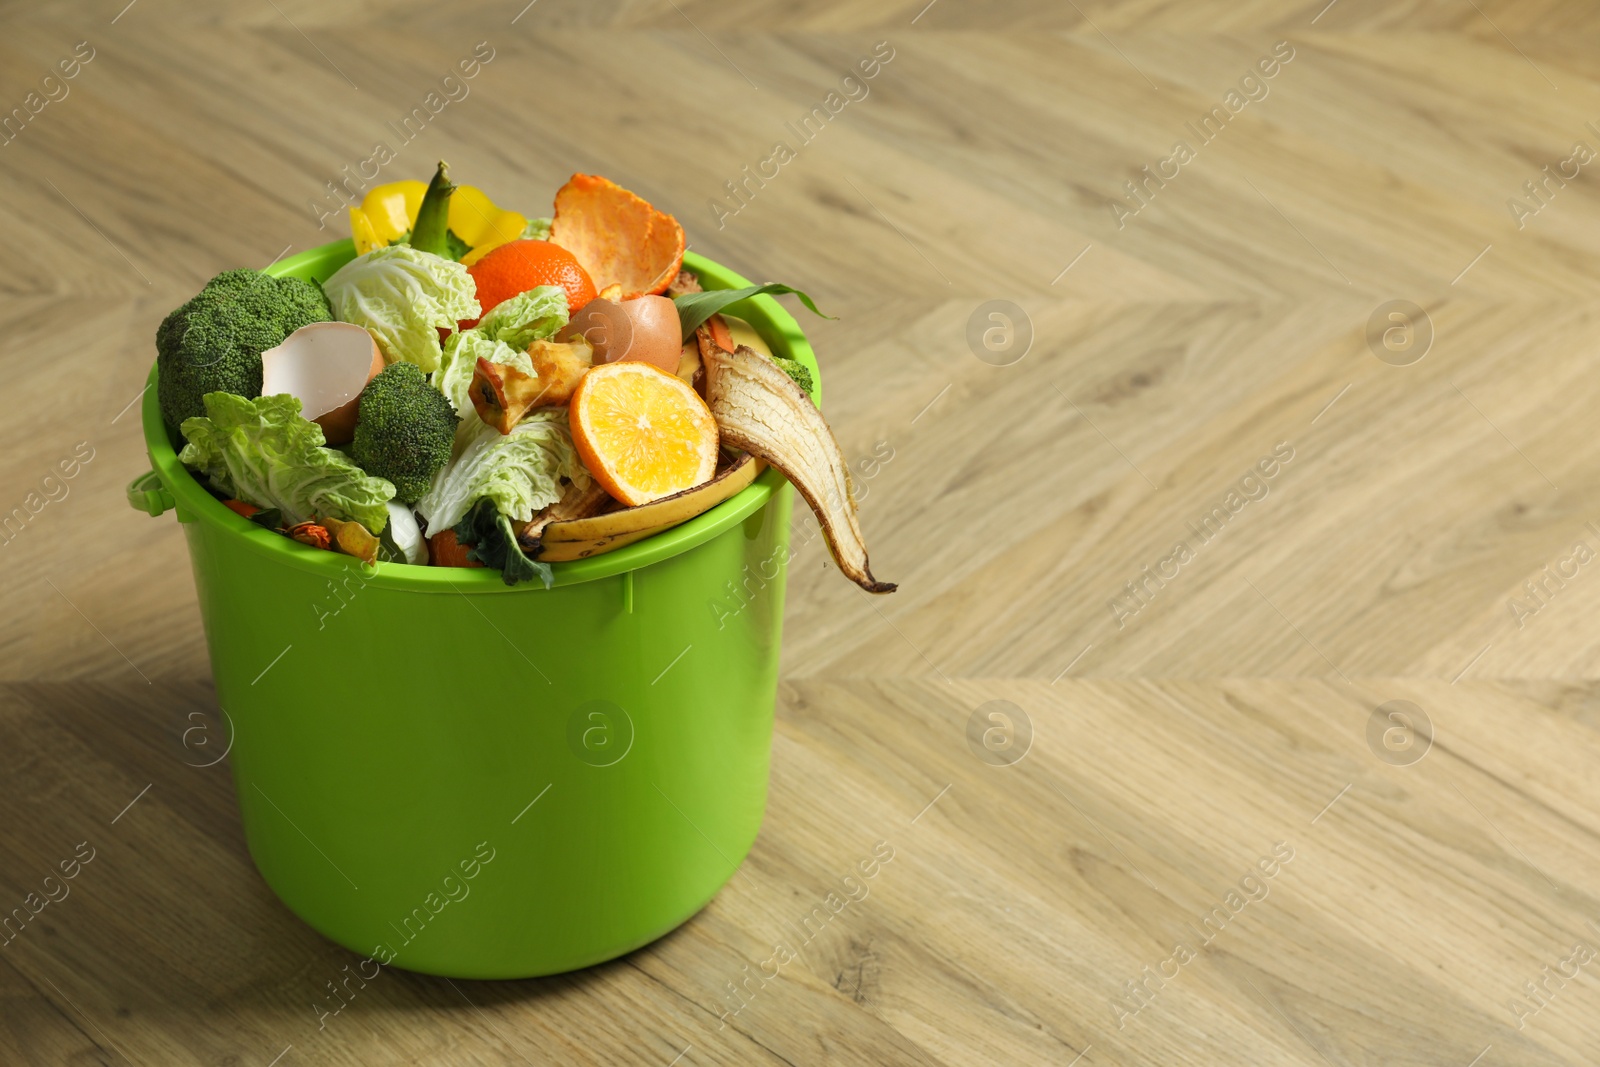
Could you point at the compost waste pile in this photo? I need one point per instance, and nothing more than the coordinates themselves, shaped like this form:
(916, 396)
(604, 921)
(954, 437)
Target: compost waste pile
(481, 389)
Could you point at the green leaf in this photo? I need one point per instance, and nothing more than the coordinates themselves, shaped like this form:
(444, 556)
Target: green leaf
(502, 336)
(491, 541)
(271, 518)
(695, 308)
(527, 317)
(520, 471)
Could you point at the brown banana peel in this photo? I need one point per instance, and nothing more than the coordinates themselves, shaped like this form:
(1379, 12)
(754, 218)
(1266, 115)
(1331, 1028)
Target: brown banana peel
(568, 536)
(761, 410)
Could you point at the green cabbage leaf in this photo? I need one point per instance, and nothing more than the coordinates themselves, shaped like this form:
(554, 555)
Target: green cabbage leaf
(403, 297)
(519, 472)
(264, 453)
(503, 336)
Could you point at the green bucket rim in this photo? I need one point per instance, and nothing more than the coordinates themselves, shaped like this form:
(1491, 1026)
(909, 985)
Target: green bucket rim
(775, 325)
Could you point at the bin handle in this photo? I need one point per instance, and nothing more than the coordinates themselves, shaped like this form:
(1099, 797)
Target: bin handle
(147, 494)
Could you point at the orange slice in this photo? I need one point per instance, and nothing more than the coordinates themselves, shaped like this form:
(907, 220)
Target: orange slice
(643, 433)
(618, 237)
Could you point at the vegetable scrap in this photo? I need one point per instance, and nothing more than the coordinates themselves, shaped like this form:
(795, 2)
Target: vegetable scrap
(476, 388)
(474, 226)
(214, 343)
(405, 430)
(404, 297)
(264, 452)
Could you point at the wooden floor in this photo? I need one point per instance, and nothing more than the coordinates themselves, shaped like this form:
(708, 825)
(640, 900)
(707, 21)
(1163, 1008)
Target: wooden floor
(1196, 534)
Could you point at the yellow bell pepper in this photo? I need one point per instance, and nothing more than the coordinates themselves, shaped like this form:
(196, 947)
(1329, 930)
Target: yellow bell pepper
(389, 211)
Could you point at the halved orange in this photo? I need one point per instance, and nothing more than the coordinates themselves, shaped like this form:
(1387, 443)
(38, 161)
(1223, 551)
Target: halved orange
(643, 433)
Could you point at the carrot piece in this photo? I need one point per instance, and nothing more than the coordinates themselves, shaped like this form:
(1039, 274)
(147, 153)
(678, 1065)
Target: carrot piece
(446, 551)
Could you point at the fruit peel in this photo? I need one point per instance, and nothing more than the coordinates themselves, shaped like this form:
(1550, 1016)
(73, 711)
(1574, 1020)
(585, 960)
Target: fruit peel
(353, 539)
(620, 239)
(760, 409)
(569, 538)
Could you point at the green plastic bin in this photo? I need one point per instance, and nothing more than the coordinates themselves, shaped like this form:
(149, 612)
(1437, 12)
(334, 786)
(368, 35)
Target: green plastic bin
(460, 778)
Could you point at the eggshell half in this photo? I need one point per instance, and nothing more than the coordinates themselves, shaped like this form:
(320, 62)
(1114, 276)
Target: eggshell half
(645, 329)
(657, 332)
(325, 366)
(605, 325)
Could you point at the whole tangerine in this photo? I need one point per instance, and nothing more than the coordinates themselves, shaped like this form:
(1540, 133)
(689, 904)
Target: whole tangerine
(517, 266)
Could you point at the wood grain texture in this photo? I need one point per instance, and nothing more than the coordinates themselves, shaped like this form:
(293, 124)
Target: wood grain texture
(1177, 736)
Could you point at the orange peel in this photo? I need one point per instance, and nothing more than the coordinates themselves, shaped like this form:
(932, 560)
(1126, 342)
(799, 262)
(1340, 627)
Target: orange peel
(620, 239)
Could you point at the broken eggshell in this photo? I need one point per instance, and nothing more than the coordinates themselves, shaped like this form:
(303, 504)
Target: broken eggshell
(607, 328)
(325, 366)
(657, 331)
(645, 329)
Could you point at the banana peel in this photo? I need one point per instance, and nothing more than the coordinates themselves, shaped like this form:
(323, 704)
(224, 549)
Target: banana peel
(761, 410)
(579, 538)
(758, 409)
(575, 503)
(719, 331)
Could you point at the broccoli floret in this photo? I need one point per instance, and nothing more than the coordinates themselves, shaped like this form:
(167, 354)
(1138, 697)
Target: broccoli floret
(214, 342)
(796, 370)
(405, 429)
